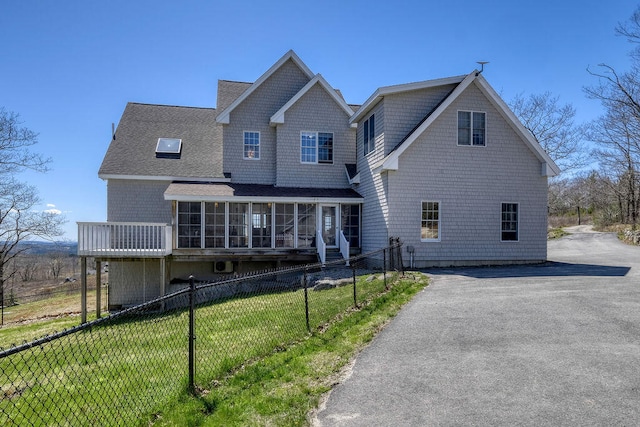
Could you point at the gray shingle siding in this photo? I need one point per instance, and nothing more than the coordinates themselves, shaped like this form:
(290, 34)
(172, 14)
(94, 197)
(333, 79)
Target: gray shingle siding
(253, 114)
(470, 183)
(137, 201)
(316, 111)
(373, 187)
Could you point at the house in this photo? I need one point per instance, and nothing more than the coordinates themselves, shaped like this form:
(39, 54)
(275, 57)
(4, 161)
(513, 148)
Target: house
(284, 171)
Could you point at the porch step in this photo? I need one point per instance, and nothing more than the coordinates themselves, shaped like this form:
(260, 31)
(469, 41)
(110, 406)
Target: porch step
(333, 255)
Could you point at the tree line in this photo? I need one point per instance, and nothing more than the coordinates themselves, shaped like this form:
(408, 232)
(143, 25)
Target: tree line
(609, 190)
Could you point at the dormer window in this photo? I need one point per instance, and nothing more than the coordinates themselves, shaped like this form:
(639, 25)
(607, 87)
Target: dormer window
(169, 147)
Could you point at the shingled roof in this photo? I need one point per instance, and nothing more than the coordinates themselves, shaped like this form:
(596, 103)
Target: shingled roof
(133, 151)
(252, 192)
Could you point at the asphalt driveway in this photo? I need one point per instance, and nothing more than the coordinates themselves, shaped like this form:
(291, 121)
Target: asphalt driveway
(552, 345)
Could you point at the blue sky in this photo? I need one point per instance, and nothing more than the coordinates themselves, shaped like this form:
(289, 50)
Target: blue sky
(69, 67)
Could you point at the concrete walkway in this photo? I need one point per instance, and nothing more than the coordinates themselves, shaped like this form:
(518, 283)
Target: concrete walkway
(548, 345)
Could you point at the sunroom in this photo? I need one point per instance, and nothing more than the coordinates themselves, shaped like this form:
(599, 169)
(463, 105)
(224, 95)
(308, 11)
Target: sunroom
(249, 219)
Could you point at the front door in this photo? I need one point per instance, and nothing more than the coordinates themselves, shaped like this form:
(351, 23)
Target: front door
(329, 224)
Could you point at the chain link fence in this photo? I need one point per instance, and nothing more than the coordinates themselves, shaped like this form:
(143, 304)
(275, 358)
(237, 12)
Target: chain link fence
(126, 368)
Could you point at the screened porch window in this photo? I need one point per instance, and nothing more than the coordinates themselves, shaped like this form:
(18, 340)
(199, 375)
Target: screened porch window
(189, 225)
(214, 225)
(351, 224)
(261, 225)
(285, 225)
(238, 225)
(306, 225)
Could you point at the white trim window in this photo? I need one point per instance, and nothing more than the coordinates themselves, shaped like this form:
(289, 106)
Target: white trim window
(509, 227)
(189, 224)
(430, 223)
(369, 131)
(251, 145)
(472, 128)
(316, 147)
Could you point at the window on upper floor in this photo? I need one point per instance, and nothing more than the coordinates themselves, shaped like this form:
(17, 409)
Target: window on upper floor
(251, 145)
(430, 224)
(369, 130)
(316, 147)
(471, 128)
(509, 222)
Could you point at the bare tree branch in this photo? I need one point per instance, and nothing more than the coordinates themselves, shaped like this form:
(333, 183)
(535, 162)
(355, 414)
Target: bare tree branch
(553, 126)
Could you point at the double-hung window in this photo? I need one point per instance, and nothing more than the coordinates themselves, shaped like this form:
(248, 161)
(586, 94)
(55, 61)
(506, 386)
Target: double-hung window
(471, 128)
(251, 145)
(316, 147)
(509, 222)
(368, 130)
(430, 224)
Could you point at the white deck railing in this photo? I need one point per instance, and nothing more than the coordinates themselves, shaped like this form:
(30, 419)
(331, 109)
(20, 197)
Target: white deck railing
(124, 239)
(322, 247)
(344, 247)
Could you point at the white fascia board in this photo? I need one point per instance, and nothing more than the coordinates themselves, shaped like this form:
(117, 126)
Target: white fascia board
(551, 169)
(278, 117)
(391, 161)
(223, 117)
(106, 177)
(355, 179)
(262, 199)
(405, 87)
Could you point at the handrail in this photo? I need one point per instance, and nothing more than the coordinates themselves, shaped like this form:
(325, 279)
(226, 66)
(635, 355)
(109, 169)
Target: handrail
(344, 247)
(129, 239)
(322, 247)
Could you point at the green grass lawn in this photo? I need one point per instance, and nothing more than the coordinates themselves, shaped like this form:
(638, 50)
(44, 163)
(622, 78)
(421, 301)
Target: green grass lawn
(254, 359)
(32, 320)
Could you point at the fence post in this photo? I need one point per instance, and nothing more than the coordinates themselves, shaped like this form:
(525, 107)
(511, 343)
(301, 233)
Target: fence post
(306, 299)
(384, 266)
(392, 263)
(399, 243)
(355, 300)
(192, 337)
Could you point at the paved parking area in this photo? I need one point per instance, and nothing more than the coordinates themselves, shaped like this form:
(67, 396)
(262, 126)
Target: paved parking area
(555, 344)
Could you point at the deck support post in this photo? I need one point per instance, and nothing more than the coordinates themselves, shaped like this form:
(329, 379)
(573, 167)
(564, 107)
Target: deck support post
(98, 288)
(83, 289)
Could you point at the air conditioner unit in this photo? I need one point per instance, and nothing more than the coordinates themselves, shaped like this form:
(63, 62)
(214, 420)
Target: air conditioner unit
(223, 267)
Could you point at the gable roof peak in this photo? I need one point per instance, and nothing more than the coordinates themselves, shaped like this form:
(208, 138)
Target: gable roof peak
(278, 117)
(390, 162)
(290, 55)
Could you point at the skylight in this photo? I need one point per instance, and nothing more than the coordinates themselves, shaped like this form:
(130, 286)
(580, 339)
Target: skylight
(169, 146)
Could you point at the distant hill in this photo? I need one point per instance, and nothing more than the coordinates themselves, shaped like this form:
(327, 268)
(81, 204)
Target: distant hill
(42, 248)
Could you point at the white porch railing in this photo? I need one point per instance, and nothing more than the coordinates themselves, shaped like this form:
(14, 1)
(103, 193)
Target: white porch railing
(124, 239)
(344, 247)
(322, 247)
